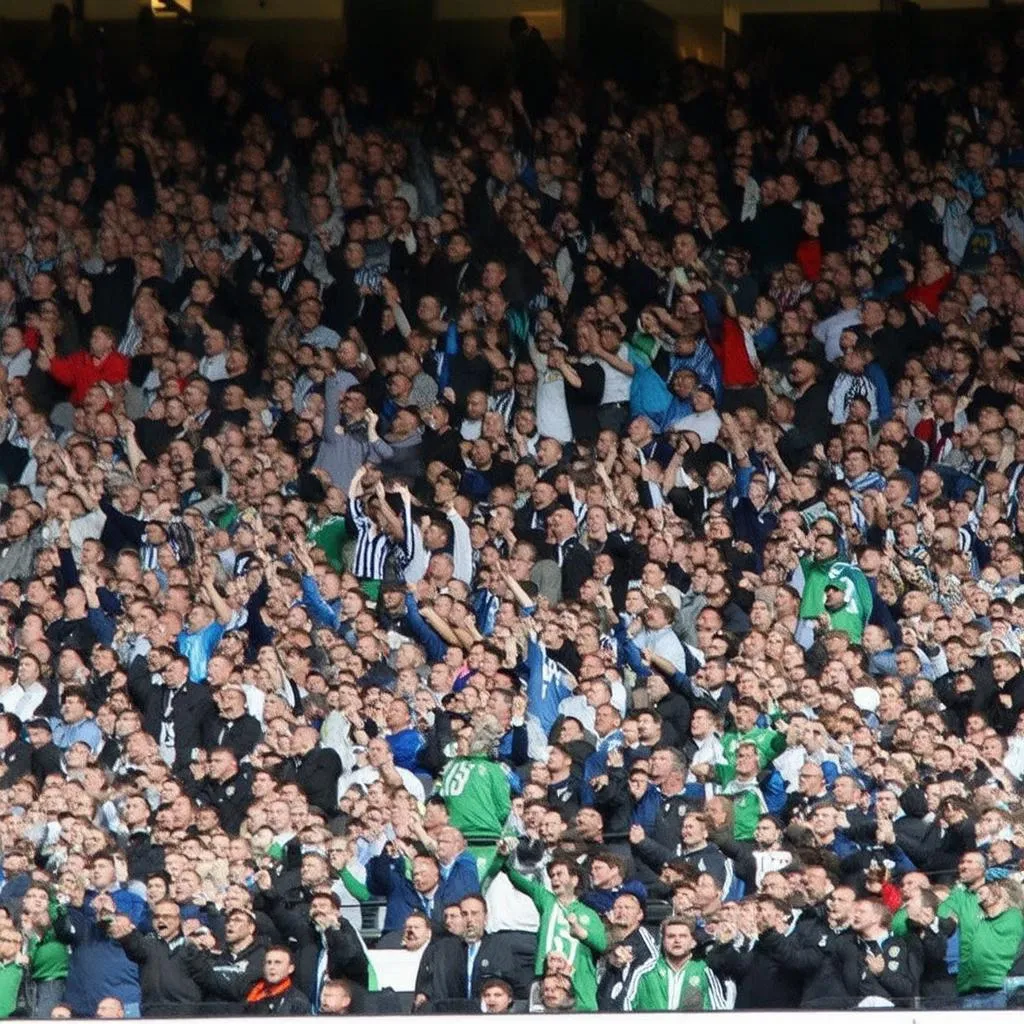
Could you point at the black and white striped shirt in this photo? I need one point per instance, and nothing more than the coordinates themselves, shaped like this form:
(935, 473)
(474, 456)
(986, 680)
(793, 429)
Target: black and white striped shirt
(503, 402)
(371, 544)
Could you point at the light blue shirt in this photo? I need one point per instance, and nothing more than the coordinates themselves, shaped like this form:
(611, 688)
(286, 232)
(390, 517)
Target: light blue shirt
(472, 951)
(85, 731)
(198, 647)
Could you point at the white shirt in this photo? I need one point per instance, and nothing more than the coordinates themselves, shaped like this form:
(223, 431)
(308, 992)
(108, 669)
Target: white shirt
(665, 644)
(508, 909)
(254, 701)
(366, 776)
(471, 429)
(1014, 760)
(848, 386)
(705, 425)
(81, 529)
(709, 751)
(11, 698)
(552, 411)
(214, 367)
(17, 365)
(28, 705)
(829, 331)
(788, 765)
(617, 384)
(351, 908)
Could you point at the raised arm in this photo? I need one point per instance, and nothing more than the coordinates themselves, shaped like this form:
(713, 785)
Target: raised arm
(224, 611)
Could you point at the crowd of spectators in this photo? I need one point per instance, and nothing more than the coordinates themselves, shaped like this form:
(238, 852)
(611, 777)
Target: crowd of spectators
(560, 549)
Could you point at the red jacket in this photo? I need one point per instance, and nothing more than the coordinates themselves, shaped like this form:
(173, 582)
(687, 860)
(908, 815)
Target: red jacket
(79, 371)
(929, 295)
(736, 356)
(809, 255)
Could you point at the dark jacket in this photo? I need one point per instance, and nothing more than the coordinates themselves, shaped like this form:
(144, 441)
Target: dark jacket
(17, 760)
(189, 708)
(99, 965)
(239, 734)
(771, 974)
(346, 956)
(317, 775)
(230, 798)
(164, 977)
(800, 806)
(228, 977)
(708, 859)
(46, 760)
(614, 983)
(938, 986)
(442, 971)
(442, 978)
(144, 856)
(899, 980)
(823, 989)
(577, 567)
(668, 819)
(385, 876)
(290, 1003)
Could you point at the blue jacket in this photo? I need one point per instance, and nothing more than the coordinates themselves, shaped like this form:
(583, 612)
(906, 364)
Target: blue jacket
(601, 900)
(99, 966)
(773, 788)
(436, 649)
(385, 876)
(405, 746)
(321, 611)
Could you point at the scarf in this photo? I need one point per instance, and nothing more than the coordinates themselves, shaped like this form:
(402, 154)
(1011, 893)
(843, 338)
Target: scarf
(264, 990)
(734, 786)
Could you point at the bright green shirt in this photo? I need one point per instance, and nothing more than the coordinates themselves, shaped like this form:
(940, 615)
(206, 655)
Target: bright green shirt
(477, 794)
(555, 936)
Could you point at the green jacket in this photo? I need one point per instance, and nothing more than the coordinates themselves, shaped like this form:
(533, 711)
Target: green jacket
(962, 904)
(477, 794)
(855, 585)
(990, 952)
(655, 986)
(849, 622)
(48, 957)
(769, 742)
(555, 936)
(11, 976)
(330, 537)
(747, 808)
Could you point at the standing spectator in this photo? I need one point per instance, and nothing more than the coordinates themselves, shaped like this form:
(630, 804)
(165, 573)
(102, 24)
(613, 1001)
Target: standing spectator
(674, 980)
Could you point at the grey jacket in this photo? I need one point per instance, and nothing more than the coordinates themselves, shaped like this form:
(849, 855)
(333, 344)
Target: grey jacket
(343, 451)
(18, 559)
